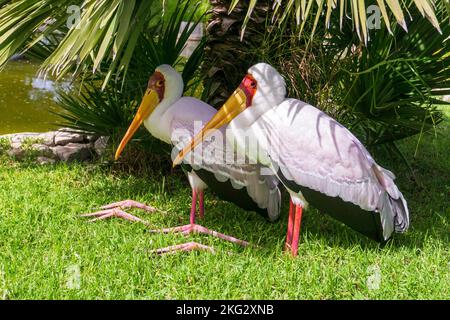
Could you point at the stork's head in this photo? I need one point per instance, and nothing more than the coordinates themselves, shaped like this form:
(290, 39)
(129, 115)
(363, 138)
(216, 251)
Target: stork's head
(261, 89)
(266, 84)
(165, 86)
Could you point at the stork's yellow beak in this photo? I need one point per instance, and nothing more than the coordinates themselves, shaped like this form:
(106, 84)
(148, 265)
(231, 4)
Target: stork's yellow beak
(149, 102)
(235, 104)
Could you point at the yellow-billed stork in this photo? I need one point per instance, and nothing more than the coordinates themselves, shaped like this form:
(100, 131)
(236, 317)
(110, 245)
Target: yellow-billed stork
(316, 158)
(170, 117)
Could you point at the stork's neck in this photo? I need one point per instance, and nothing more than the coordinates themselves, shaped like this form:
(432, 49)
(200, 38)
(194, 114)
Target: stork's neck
(158, 124)
(249, 116)
(248, 137)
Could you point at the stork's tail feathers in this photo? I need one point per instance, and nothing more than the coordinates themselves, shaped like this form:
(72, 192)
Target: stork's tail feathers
(400, 213)
(274, 204)
(396, 207)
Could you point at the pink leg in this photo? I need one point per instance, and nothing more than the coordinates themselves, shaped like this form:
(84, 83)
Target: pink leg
(115, 210)
(195, 228)
(201, 205)
(193, 207)
(290, 227)
(296, 232)
(189, 246)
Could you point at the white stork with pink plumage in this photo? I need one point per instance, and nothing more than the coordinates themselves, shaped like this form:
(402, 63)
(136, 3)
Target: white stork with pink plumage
(317, 159)
(164, 111)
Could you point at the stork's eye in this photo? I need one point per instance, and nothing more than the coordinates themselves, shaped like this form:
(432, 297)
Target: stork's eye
(159, 83)
(253, 84)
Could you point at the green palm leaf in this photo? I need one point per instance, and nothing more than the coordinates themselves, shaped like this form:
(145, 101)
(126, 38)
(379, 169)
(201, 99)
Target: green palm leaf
(301, 9)
(108, 110)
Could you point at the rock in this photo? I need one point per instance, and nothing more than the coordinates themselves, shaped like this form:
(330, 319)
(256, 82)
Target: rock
(48, 138)
(447, 98)
(43, 150)
(65, 144)
(92, 137)
(16, 145)
(62, 138)
(45, 160)
(73, 152)
(20, 137)
(16, 153)
(101, 144)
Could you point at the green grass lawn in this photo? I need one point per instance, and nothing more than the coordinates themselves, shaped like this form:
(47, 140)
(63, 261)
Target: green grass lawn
(48, 252)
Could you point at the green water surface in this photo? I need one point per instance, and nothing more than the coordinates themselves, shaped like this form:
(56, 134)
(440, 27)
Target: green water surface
(26, 100)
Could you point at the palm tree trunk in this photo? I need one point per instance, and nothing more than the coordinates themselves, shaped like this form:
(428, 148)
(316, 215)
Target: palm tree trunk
(227, 58)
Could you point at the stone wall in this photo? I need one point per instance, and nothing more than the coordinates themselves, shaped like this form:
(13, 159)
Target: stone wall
(64, 145)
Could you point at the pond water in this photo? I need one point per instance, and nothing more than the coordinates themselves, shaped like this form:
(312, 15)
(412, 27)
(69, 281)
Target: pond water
(26, 100)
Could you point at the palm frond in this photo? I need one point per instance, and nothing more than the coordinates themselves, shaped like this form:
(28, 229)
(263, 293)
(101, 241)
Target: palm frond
(394, 84)
(383, 91)
(107, 31)
(97, 111)
(356, 10)
(25, 22)
(109, 110)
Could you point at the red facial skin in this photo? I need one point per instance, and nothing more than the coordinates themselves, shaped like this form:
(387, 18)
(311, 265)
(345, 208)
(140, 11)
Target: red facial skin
(248, 85)
(157, 83)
